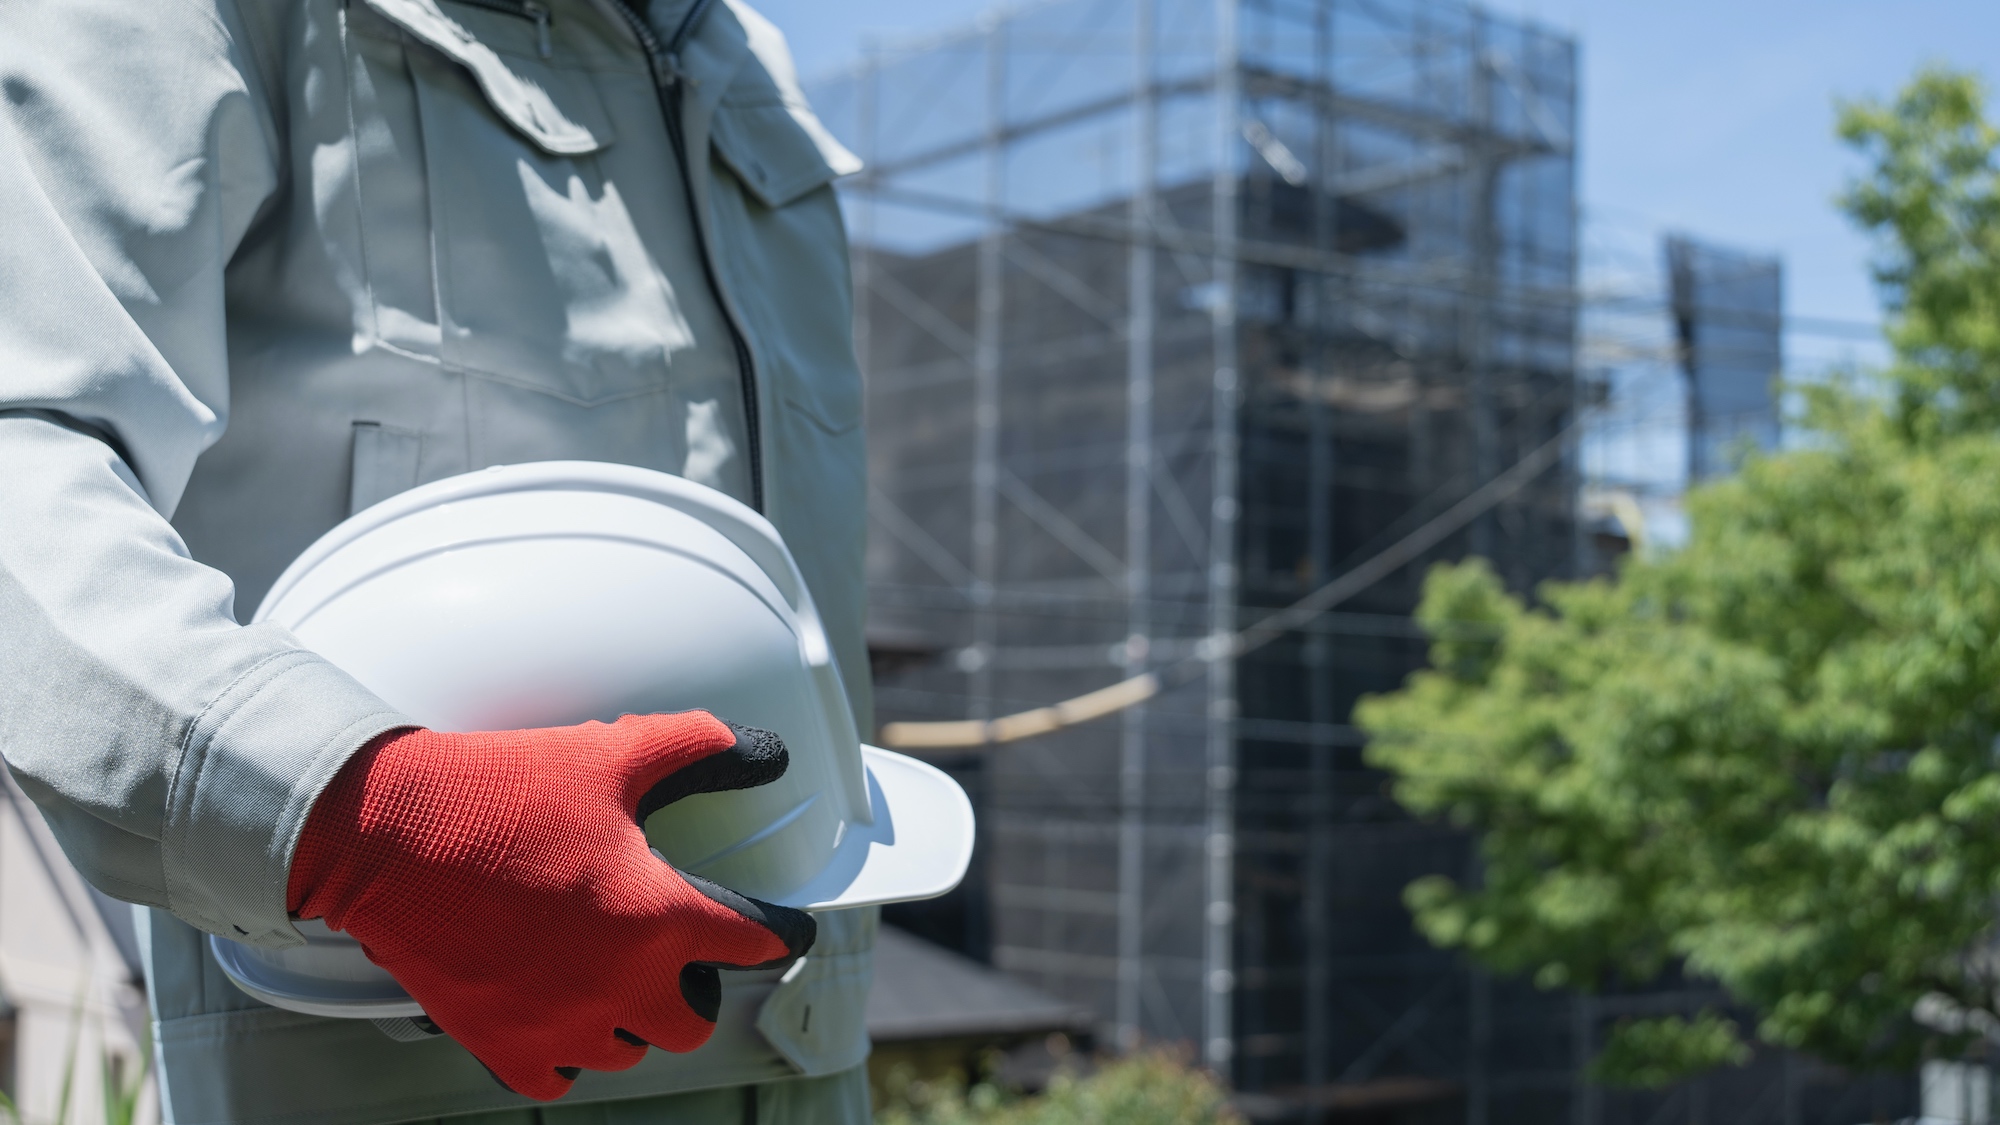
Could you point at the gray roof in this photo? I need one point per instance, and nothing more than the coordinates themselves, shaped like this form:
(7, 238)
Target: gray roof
(924, 991)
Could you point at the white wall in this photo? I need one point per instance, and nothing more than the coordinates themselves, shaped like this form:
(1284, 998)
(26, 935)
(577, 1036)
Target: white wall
(1957, 1094)
(78, 1003)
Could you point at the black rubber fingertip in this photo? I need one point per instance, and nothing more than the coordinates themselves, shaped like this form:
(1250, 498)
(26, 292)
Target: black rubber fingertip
(701, 987)
(499, 1081)
(758, 758)
(761, 747)
(569, 1072)
(629, 1037)
(797, 929)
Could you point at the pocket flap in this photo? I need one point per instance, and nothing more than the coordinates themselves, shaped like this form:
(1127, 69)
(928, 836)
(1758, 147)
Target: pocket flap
(779, 151)
(525, 101)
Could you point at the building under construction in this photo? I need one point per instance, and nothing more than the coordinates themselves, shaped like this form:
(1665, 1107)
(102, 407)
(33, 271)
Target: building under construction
(1172, 311)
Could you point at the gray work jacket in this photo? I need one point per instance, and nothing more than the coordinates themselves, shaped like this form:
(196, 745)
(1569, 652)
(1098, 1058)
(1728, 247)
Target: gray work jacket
(265, 262)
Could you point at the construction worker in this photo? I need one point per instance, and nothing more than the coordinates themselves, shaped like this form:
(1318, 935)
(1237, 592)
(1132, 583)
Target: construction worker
(264, 264)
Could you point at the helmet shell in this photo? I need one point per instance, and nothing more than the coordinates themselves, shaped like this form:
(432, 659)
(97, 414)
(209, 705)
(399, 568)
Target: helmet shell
(554, 593)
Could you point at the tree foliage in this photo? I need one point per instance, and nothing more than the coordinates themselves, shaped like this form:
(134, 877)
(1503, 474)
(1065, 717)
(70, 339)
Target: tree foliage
(1770, 757)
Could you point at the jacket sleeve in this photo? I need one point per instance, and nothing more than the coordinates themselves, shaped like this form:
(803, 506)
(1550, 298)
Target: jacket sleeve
(174, 753)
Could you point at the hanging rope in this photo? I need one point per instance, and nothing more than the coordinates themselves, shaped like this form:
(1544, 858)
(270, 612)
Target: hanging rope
(964, 733)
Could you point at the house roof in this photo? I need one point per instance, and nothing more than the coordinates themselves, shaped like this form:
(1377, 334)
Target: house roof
(924, 991)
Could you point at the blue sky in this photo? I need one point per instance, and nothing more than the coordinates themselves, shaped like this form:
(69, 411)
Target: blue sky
(1708, 116)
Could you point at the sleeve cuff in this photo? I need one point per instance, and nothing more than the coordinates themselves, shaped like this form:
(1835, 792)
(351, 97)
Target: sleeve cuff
(251, 766)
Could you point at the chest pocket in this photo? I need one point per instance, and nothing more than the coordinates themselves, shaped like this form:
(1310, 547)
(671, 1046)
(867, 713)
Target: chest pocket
(778, 153)
(545, 267)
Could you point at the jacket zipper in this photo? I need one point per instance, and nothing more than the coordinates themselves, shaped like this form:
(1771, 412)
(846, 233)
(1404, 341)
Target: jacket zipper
(663, 59)
(527, 10)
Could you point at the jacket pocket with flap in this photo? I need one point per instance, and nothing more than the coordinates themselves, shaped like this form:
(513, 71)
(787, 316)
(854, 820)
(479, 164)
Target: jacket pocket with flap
(546, 274)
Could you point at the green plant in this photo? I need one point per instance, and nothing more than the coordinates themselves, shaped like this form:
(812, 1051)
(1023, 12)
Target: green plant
(122, 1091)
(63, 1099)
(1153, 1087)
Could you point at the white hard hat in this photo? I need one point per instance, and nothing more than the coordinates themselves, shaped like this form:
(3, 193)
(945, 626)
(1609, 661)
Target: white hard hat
(558, 592)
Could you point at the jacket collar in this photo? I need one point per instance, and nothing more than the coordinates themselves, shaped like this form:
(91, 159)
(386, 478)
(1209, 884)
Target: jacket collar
(709, 60)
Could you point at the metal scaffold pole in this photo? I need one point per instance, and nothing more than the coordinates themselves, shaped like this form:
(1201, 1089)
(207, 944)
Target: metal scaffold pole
(1585, 1102)
(1486, 461)
(1478, 308)
(1320, 469)
(1219, 980)
(1138, 534)
(986, 384)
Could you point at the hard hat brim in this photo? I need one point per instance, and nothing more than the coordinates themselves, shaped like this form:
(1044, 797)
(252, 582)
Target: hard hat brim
(918, 847)
(330, 977)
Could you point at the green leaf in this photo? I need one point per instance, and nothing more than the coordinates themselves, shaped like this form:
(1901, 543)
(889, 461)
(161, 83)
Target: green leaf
(1659, 1052)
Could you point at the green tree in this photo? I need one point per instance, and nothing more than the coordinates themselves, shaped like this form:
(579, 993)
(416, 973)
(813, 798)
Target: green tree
(1771, 757)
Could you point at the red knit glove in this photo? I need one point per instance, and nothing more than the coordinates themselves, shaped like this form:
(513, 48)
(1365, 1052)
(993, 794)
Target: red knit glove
(503, 880)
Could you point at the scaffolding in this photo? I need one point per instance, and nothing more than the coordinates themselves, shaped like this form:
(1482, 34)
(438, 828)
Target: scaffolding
(1171, 311)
